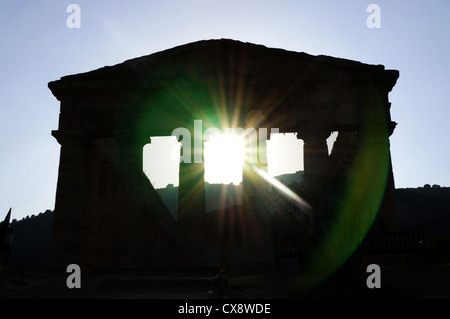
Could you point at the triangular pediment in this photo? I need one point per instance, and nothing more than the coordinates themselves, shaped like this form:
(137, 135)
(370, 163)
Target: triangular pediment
(225, 62)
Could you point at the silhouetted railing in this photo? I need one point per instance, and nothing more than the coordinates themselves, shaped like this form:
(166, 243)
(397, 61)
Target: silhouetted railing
(397, 242)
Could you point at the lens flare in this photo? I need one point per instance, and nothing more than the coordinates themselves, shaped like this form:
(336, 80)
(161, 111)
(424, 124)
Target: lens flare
(288, 193)
(356, 208)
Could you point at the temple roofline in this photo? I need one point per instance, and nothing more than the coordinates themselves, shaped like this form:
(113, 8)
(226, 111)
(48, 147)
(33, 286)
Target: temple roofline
(155, 69)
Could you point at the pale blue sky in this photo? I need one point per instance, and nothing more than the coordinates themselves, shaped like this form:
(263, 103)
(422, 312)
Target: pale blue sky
(37, 47)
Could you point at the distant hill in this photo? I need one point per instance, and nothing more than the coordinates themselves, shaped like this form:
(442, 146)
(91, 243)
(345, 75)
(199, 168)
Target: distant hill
(218, 196)
(169, 196)
(428, 209)
(423, 208)
(31, 241)
(287, 179)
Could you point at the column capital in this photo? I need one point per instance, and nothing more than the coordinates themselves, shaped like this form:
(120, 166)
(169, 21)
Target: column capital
(392, 126)
(71, 137)
(129, 139)
(314, 133)
(374, 133)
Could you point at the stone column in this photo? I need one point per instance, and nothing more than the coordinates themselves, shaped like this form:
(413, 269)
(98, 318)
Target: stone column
(316, 164)
(107, 198)
(376, 166)
(67, 237)
(92, 230)
(388, 210)
(191, 232)
(365, 187)
(257, 229)
(128, 216)
(315, 153)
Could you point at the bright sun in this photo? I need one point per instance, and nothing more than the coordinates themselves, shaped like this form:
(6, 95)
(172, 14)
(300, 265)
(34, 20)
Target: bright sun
(224, 158)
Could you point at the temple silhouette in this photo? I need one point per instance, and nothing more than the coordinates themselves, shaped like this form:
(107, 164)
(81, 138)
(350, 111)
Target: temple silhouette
(107, 213)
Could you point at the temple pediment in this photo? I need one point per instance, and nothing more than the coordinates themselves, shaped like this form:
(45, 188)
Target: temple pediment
(225, 62)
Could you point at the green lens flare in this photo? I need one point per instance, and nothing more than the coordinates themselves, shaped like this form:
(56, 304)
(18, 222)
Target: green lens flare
(362, 194)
